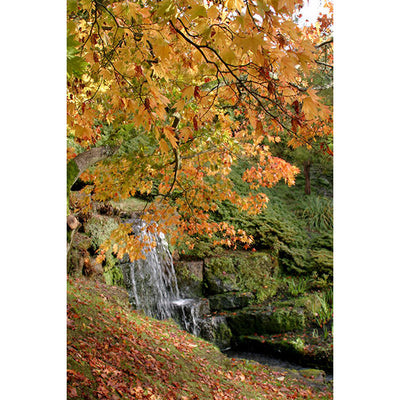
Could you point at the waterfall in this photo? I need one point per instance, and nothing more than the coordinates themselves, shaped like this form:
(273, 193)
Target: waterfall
(152, 283)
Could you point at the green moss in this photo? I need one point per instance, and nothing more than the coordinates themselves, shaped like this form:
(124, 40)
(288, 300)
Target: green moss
(112, 271)
(99, 228)
(220, 275)
(223, 335)
(230, 301)
(312, 373)
(322, 261)
(190, 284)
(244, 272)
(72, 174)
(248, 322)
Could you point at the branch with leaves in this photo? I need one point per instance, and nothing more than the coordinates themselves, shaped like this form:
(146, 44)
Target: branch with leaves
(238, 73)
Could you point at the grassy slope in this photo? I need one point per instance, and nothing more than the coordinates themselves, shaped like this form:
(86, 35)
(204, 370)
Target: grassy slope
(116, 353)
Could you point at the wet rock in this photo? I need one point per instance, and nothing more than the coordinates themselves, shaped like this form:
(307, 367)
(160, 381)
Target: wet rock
(216, 330)
(249, 322)
(189, 275)
(230, 301)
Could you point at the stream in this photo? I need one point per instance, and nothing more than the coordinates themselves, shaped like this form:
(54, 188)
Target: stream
(267, 360)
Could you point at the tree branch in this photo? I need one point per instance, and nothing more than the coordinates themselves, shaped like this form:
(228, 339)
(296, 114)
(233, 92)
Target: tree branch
(324, 64)
(325, 42)
(86, 159)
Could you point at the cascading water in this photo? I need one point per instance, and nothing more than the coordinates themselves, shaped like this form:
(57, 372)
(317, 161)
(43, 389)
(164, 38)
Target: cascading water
(153, 280)
(152, 283)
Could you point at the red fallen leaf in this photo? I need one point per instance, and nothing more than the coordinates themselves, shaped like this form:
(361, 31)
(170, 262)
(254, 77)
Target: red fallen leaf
(72, 392)
(70, 324)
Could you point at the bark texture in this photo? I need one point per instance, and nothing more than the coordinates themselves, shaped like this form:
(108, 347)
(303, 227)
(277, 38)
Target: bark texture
(86, 159)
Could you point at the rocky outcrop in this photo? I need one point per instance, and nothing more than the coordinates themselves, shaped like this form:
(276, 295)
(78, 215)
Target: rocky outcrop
(189, 275)
(230, 301)
(265, 320)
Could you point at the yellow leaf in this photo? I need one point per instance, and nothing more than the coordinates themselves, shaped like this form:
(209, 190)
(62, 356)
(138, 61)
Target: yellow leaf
(161, 51)
(180, 104)
(144, 12)
(197, 11)
(212, 12)
(164, 146)
(309, 108)
(186, 133)
(188, 91)
(170, 134)
(234, 4)
(228, 55)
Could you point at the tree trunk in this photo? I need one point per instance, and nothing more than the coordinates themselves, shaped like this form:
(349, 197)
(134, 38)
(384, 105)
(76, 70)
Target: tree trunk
(306, 170)
(86, 159)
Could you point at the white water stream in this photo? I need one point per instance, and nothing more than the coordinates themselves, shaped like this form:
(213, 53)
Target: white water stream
(154, 286)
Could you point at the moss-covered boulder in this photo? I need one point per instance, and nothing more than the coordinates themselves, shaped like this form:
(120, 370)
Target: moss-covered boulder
(220, 275)
(240, 271)
(189, 275)
(230, 301)
(249, 321)
(312, 373)
(216, 330)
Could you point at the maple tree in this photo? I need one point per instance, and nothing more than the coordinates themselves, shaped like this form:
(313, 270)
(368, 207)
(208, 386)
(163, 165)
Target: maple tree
(164, 96)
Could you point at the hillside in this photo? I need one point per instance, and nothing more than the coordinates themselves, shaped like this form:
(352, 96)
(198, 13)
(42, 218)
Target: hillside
(117, 353)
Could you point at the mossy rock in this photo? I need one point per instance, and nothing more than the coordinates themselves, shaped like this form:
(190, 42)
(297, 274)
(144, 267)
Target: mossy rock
(220, 275)
(249, 322)
(312, 373)
(189, 275)
(240, 271)
(216, 330)
(223, 335)
(99, 228)
(112, 271)
(230, 301)
(321, 358)
(78, 253)
(81, 241)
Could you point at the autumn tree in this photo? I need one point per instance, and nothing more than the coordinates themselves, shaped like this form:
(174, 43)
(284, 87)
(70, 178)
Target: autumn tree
(164, 96)
(321, 151)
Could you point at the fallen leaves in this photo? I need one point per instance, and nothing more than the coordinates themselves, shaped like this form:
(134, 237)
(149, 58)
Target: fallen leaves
(123, 355)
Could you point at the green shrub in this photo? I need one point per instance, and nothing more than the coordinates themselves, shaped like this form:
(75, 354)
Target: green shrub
(325, 312)
(112, 271)
(322, 241)
(296, 286)
(317, 211)
(322, 261)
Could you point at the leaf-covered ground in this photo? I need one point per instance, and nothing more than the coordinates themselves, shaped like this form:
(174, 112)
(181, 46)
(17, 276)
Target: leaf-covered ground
(115, 353)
